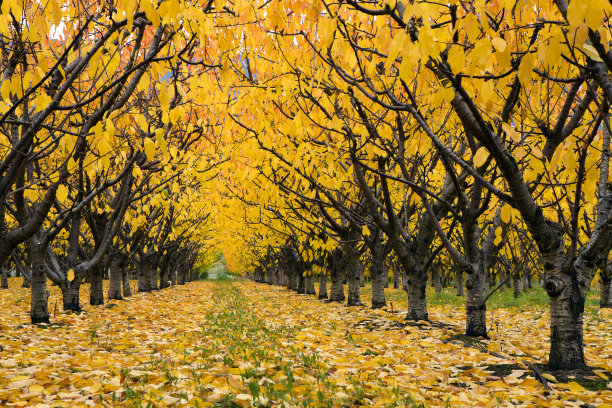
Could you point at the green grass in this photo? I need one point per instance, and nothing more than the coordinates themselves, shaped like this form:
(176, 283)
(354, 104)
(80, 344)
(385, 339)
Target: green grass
(533, 298)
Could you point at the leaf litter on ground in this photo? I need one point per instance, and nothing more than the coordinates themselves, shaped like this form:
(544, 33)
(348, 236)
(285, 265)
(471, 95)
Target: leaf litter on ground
(245, 344)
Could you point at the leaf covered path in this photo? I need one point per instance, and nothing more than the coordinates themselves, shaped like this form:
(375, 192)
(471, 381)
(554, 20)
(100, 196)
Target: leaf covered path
(241, 344)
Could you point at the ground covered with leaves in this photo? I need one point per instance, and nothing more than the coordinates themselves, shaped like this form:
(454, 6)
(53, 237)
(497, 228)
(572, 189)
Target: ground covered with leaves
(245, 344)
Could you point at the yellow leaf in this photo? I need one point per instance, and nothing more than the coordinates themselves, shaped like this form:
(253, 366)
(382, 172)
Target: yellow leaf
(506, 214)
(525, 70)
(590, 52)
(499, 44)
(510, 131)
(549, 377)
(480, 157)
(601, 375)
(149, 148)
(36, 389)
(70, 275)
(574, 386)
(456, 59)
(62, 193)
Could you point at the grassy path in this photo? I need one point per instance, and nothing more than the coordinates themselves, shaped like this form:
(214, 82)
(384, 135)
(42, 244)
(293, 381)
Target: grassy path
(239, 344)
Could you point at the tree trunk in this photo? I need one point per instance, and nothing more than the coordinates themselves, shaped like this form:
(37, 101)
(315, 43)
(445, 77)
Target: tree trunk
(566, 319)
(517, 286)
(96, 291)
(301, 287)
(310, 287)
(163, 278)
(39, 312)
(337, 288)
(152, 275)
(396, 277)
(293, 280)
(143, 280)
(125, 278)
(288, 279)
(417, 299)
(4, 277)
(322, 285)
(70, 296)
(354, 271)
(459, 282)
(437, 281)
(476, 309)
(379, 278)
(114, 288)
(180, 276)
(605, 281)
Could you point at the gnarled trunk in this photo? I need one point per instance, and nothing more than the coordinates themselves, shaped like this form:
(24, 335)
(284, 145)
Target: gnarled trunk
(152, 275)
(39, 312)
(379, 279)
(125, 277)
(566, 320)
(301, 287)
(517, 285)
(380, 276)
(459, 282)
(354, 271)
(396, 277)
(476, 309)
(143, 280)
(417, 299)
(322, 285)
(180, 276)
(293, 279)
(4, 277)
(70, 295)
(437, 280)
(337, 288)
(96, 292)
(605, 285)
(116, 280)
(310, 287)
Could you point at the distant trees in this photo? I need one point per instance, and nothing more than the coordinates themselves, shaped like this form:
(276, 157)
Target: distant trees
(455, 129)
(98, 127)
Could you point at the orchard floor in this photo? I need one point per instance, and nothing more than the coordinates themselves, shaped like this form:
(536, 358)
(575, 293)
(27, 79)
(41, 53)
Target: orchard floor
(245, 344)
